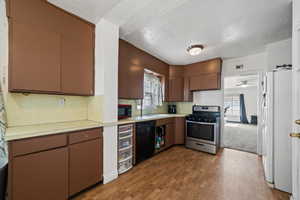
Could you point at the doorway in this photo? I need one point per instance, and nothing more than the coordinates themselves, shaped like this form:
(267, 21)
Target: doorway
(240, 113)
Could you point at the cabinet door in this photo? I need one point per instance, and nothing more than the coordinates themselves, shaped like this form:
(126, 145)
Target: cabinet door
(187, 93)
(205, 82)
(170, 135)
(131, 73)
(179, 130)
(34, 59)
(40, 176)
(176, 86)
(77, 57)
(85, 165)
(77, 66)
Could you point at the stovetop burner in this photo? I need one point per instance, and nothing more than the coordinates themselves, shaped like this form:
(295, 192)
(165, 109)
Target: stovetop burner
(207, 114)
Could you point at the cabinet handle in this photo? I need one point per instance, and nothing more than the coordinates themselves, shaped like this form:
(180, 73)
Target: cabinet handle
(297, 122)
(297, 135)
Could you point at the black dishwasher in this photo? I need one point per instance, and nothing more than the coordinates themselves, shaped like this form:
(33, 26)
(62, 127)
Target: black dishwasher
(145, 140)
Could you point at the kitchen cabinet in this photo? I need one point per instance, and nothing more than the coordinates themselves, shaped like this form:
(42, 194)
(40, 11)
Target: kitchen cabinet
(77, 57)
(170, 135)
(179, 130)
(86, 159)
(168, 126)
(176, 89)
(131, 74)
(204, 75)
(41, 175)
(179, 85)
(34, 59)
(205, 82)
(55, 167)
(35, 167)
(51, 51)
(85, 165)
(187, 93)
(132, 63)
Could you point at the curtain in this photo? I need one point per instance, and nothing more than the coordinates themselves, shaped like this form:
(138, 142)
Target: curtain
(243, 114)
(153, 95)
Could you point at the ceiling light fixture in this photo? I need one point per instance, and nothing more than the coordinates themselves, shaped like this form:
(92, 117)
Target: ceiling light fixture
(195, 50)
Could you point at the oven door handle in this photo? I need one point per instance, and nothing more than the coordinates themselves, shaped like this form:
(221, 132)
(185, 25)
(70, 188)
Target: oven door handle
(205, 123)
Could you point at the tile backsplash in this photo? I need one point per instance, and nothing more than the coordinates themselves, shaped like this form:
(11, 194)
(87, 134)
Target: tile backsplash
(38, 109)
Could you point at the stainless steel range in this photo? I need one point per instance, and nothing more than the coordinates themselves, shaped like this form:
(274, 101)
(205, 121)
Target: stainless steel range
(203, 129)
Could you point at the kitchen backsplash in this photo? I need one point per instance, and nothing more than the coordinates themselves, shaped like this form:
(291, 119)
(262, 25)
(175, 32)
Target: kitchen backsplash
(38, 109)
(135, 112)
(184, 107)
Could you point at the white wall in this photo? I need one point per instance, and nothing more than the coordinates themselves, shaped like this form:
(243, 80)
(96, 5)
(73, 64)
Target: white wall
(252, 65)
(279, 53)
(106, 85)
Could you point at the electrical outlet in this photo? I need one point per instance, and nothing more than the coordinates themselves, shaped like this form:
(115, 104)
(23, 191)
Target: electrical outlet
(62, 101)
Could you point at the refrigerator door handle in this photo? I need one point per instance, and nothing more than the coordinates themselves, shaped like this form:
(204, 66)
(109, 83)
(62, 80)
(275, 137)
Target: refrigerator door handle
(295, 135)
(297, 122)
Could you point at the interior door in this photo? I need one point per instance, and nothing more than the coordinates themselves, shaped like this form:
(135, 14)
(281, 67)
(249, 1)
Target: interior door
(296, 100)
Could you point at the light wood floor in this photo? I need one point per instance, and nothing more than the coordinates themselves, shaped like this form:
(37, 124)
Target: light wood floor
(183, 174)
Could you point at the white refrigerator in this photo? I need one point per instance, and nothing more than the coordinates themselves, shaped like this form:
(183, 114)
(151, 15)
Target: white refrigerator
(277, 125)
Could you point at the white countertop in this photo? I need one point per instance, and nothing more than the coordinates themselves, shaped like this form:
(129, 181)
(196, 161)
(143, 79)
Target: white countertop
(22, 132)
(149, 117)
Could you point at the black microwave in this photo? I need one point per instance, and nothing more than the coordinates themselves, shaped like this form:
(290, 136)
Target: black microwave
(124, 111)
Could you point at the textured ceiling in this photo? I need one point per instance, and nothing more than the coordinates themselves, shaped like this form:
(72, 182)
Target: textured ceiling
(227, 28)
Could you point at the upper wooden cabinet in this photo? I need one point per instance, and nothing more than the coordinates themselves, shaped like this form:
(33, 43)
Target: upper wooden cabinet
(205, 67)
(176, 87)
(131, 72)
(205, 82)
(179, 85)
(132, 62)
(51, 51)
(34, 59)
(204, 75)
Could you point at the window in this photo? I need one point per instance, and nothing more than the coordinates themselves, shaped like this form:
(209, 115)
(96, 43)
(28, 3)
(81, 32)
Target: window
(153, 92)
(232, 108)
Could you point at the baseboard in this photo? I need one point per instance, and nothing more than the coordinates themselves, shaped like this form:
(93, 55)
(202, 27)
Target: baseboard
(110, 177)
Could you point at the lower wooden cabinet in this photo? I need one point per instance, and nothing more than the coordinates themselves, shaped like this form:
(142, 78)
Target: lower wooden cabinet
(41, 175)
(55, 167)
(179, 130)
(85, 165)
(169, 135)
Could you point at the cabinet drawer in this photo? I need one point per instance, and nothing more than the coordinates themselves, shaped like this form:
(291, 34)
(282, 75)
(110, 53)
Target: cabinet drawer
(126, 128)
(82, 136)
(164, 121)
(26, 146)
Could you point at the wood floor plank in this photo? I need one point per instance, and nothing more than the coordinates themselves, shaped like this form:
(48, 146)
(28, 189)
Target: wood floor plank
(184, 174)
